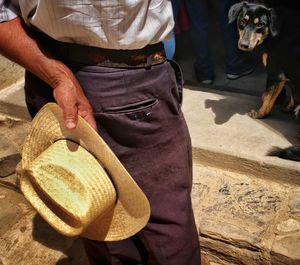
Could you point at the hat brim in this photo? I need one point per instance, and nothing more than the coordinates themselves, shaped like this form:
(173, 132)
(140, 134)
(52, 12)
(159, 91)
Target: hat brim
(132, 210)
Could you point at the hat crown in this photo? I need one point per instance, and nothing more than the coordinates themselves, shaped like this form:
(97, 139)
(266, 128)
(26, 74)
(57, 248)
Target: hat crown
(82, 189)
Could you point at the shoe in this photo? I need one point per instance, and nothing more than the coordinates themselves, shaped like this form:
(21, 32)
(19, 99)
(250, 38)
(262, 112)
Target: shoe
(204, 260)
(204, 75)
(236, 76)
(206, 82)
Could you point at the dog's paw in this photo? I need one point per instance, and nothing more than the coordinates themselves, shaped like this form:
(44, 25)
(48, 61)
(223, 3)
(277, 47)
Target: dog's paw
(254, 114)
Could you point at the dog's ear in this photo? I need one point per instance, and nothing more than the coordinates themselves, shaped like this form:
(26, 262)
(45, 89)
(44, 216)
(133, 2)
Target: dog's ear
(274, 22)
(235, 10)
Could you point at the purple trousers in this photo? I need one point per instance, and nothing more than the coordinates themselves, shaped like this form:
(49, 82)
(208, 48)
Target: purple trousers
(138, 113)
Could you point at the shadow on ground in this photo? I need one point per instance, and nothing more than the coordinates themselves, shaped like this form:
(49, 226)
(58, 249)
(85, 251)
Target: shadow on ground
(71, 248)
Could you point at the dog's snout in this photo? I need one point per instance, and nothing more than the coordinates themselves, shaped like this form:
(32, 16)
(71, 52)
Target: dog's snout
(244, 45)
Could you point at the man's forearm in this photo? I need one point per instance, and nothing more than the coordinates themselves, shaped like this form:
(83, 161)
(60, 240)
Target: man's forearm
(18, 45)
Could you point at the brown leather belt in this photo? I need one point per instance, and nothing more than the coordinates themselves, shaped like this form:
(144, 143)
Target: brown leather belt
(87, 55)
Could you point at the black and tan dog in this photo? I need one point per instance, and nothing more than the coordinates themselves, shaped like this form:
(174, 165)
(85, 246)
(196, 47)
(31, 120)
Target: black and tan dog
(277, 32)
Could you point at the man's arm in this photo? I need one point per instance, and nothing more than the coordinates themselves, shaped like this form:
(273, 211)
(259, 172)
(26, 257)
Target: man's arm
(18, 45)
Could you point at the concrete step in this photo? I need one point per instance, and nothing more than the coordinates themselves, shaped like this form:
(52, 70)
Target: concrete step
(224, 136)
(10, 72)
(12, 101)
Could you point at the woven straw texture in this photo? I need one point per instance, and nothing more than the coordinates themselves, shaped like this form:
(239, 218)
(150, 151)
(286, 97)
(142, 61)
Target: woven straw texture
(76, 183)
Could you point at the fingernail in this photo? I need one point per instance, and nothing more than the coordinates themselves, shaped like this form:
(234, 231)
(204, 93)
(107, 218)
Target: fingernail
(70, 124)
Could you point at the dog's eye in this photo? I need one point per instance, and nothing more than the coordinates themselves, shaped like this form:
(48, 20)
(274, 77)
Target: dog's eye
(260, 27)
(243, 22)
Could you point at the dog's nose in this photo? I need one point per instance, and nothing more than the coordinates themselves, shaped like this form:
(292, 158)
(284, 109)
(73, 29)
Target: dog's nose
(244, 45)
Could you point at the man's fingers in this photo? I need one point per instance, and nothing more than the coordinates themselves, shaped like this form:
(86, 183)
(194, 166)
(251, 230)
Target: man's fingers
(89, 117)
(70, 116)
(67, 101)
(73, 102)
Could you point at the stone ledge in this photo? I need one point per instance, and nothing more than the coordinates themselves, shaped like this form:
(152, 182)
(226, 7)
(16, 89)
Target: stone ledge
(241, 220)
(286, 172)
(245, 220)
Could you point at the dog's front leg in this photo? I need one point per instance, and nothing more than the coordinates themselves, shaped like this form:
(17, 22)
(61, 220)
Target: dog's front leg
(268, 100)
(292, 103)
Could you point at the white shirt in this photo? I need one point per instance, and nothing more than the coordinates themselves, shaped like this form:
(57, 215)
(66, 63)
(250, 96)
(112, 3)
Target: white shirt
(113, 24)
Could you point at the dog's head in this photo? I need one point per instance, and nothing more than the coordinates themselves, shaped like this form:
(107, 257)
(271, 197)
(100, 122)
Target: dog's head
(255, 22)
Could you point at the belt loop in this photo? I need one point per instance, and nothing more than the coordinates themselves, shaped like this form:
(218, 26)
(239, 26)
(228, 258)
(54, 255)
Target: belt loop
(149, 58)
(148, 62)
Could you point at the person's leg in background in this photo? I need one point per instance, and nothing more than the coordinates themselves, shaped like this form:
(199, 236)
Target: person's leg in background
(199, 19)
(237, 62)
(176, 5)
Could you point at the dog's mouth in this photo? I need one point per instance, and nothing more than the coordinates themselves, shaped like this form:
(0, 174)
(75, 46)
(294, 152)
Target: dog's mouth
(247, 47)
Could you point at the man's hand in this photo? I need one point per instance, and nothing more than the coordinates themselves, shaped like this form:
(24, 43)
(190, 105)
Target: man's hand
(70, 97)
(72, 103)
(17, 44)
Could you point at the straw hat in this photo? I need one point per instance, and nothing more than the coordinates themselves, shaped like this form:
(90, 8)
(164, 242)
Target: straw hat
(76, 183)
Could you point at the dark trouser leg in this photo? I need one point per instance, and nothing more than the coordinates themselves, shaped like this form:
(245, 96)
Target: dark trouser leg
(116, 253)
(175, 7)
(154, 146)
(199, 18)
